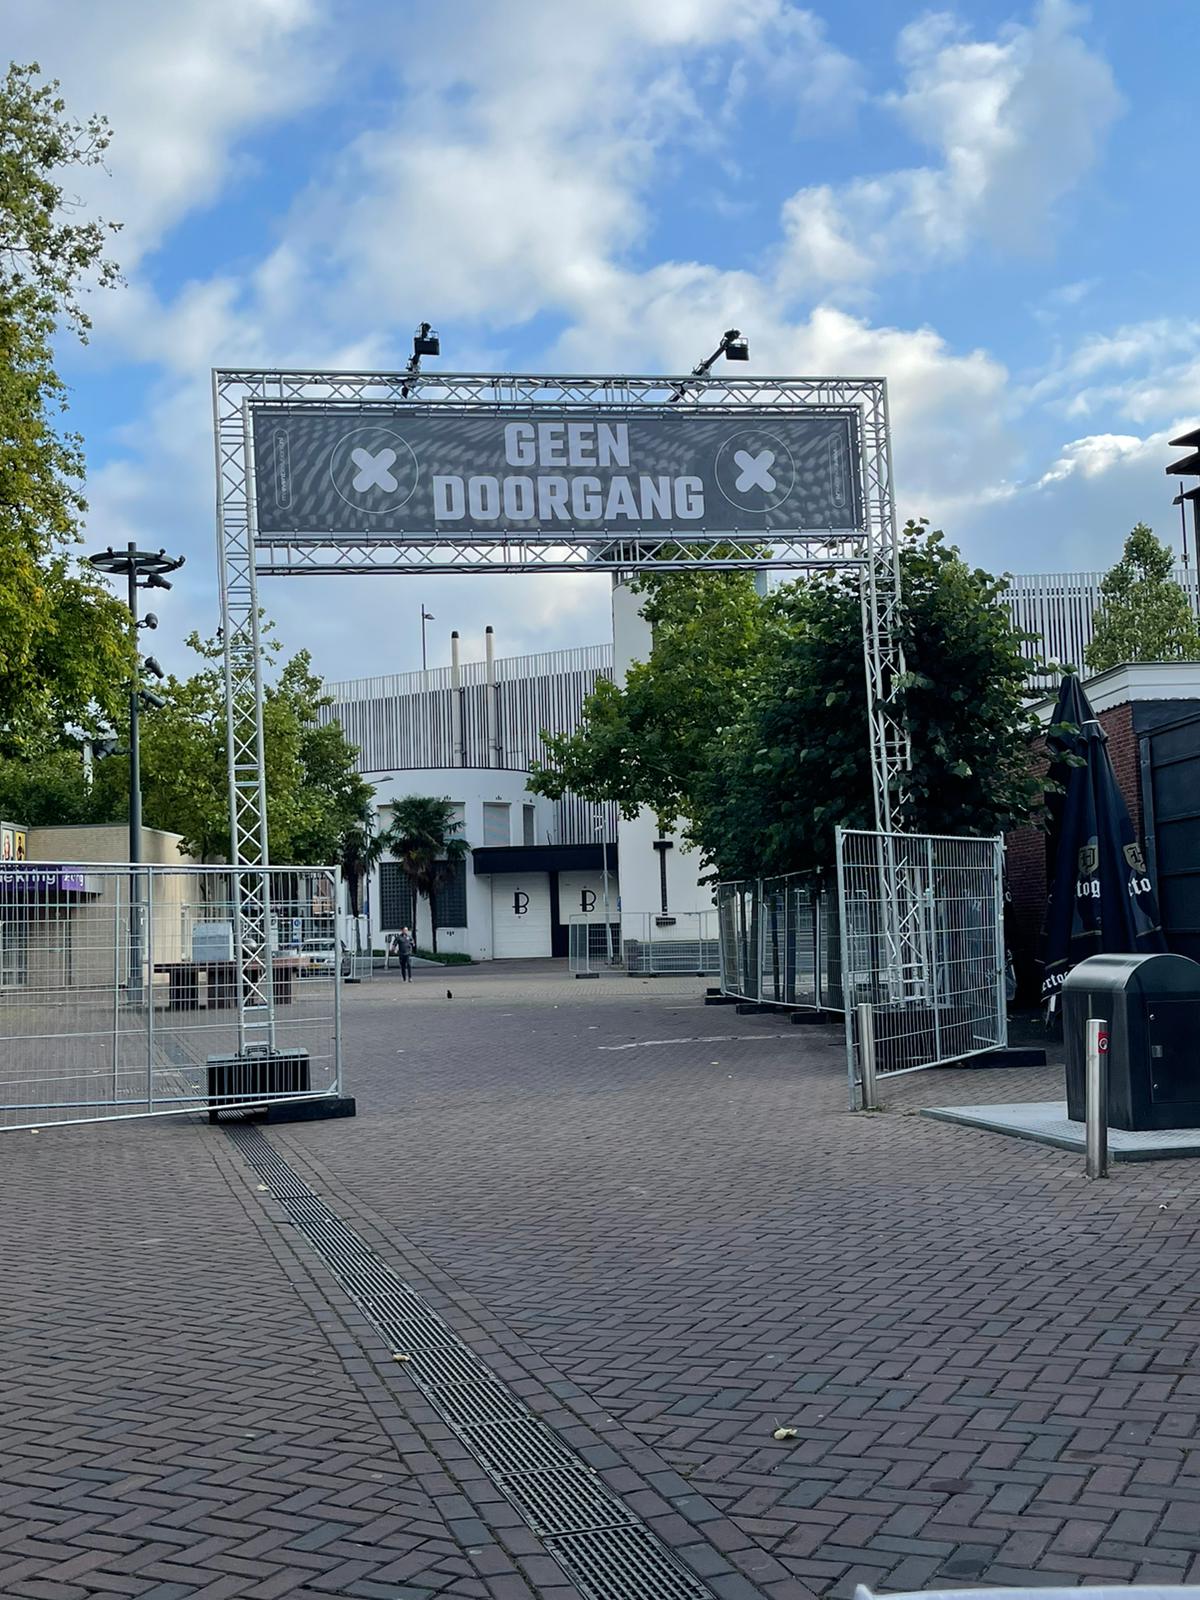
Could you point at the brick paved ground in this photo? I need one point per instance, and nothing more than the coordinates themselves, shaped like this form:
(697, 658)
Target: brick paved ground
(188, 1408)
(992, 1366)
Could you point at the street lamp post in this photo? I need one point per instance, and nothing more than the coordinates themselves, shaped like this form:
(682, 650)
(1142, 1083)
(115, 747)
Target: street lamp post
(602, 830)
(142, 569)
(1189, 467)
(426, 616)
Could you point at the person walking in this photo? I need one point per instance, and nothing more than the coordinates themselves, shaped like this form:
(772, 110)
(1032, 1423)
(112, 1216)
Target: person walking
(405, 946)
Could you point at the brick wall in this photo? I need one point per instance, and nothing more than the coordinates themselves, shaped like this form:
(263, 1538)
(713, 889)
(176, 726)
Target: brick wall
(1026, 849)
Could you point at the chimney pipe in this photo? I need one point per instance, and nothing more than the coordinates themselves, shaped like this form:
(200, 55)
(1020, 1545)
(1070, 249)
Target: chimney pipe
(490, 702)
(456, 709)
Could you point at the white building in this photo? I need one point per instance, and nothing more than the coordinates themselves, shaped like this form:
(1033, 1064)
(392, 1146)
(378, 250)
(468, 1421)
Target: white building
(1059, 609)
(662, 894)
(468, 733)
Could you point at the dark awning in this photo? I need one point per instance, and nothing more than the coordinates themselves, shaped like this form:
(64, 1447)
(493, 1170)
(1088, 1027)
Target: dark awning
(543, 858)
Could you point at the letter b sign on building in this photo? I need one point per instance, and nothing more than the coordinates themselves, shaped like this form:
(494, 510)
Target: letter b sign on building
(520, 903)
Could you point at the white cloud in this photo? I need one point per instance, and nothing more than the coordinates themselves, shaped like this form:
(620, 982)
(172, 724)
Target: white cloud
(509, 171)
(1097, 454)
(1144, 371)
(1014, 123)
(180, 83)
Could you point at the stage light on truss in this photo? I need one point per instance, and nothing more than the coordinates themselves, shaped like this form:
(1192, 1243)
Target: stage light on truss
(426, 341)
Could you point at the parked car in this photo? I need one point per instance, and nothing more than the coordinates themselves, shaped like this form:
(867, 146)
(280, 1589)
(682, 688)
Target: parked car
(319, 956)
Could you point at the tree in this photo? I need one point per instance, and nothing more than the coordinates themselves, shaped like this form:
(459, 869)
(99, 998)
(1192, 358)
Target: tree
(314, 794)
(774, 736)
(797, 762)
(424, 838)
(65, 650)
(1144, 615)
(316, 800)
(362, 847)
(647, 742)
(47, 787)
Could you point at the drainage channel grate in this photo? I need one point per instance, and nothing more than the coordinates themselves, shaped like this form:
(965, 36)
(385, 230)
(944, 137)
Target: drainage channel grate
(570, 1500)
(517, 1444)
(617, 1565)
(603, 1547)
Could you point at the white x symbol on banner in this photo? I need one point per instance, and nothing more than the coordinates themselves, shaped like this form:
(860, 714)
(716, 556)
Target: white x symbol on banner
(373, 471)
(755, 471)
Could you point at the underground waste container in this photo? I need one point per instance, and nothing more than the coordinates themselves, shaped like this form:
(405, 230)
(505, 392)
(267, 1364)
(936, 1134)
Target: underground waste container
(1152, 1006)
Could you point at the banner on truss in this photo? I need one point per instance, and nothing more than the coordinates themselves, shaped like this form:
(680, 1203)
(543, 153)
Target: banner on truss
(323, 474)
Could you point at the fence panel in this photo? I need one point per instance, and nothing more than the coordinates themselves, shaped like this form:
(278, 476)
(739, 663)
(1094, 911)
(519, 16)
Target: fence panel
(738, 922)
(779, 942)
(593, 947)
(685, 942)
(119, 992)
(922, 941)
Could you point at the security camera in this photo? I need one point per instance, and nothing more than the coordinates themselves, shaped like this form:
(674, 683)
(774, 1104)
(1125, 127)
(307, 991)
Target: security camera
(154, 701)
(153, 668)
(149, 621)
(157, 581)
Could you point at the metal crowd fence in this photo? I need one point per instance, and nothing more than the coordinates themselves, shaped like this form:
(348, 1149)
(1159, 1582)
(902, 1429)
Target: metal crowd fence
(593, 947)
(645, 944)
(685, 943)
(120, 994)
(922, 942)
(780, 942)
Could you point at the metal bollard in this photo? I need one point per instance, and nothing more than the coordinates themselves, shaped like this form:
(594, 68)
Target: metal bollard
(866, 1054)
(1096, 1097)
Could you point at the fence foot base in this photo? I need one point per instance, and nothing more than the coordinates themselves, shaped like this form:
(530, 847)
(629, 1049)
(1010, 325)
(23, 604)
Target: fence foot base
(1007, 1056)
(825, 1019)
(587, 974)
(333, 1105)
(747, 1008)
(719, 999)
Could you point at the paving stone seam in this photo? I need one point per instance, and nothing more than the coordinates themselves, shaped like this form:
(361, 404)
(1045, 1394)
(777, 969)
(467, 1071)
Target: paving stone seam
(417, 1441)
(687, 1513)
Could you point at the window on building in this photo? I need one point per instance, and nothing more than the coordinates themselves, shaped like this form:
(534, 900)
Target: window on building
(397, 899)
(529, 825)
(497, 828)
(450, 902)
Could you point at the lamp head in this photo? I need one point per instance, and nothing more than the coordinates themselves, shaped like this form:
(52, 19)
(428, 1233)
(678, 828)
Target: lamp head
(426, 341)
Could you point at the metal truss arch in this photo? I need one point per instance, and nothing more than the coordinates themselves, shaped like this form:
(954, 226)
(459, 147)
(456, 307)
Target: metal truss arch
(869, 549)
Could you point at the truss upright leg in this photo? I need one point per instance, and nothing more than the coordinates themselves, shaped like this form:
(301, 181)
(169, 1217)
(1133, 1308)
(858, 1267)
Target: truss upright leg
(883, 649)
(244, 728)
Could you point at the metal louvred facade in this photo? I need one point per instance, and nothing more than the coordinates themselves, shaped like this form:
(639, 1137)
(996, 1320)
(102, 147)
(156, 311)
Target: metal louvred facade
(406, 722)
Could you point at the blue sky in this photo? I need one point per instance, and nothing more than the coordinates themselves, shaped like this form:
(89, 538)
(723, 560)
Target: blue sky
(987, 204)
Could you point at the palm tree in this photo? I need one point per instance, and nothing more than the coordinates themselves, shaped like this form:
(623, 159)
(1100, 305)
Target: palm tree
(361, 849)
(423, 837)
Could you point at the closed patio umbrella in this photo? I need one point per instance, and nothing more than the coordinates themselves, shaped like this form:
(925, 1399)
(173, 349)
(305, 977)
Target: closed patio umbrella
(1100, 899)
